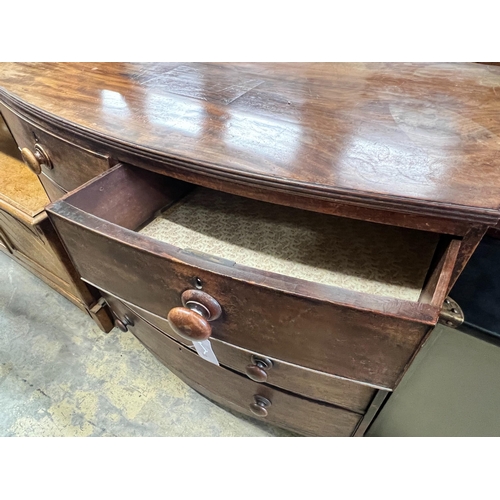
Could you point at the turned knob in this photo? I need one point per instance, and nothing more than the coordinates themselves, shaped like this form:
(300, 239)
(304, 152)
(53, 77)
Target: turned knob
(202, 303)
(189, 324)
(123, 324)
(260, 405)
(191, 321)
(35, 160)
(258, 370)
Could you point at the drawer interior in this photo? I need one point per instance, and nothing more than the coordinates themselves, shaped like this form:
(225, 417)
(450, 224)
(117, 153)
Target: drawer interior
(279, 241)
(352, 254)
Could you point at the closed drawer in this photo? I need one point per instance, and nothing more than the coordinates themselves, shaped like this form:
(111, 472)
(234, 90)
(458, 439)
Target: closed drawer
(71, 165)
(306, 382)
(237, 392)
(339, 330)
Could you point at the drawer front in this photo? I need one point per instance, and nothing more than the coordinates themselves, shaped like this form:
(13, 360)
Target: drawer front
(309, 383)
(237, 392)
(317, 334)
(353, 335)
(72, 165)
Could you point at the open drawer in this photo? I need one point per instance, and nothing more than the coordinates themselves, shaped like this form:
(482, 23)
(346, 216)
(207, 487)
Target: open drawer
(346, 297)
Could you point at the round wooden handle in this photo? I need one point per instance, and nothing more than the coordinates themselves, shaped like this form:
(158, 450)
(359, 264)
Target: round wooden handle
(189, 324)
(35, 160)
(203, 303)
(31, 161)
(260, 405)
(123, 325)
(256, 373)
(258, 370)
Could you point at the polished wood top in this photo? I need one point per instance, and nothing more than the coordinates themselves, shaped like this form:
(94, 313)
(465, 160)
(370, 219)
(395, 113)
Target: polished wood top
(414, 138)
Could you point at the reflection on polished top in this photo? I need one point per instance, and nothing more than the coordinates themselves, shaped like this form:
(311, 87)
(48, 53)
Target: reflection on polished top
(397, 134)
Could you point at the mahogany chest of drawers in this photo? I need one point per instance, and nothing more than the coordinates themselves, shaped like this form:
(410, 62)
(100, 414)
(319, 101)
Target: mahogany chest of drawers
(307, 220)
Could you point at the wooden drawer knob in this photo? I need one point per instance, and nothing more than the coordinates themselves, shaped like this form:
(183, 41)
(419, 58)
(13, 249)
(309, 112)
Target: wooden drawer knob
(260, 405)
(35, 160)
(189, 324)
(258, 370)
(123, 324)
(202, 303)
(191, 321)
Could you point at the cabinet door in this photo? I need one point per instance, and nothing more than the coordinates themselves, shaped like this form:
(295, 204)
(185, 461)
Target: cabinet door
(38, 248)
(30, 245)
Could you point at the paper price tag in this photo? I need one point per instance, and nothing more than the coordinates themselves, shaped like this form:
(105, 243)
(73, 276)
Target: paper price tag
(204, 349)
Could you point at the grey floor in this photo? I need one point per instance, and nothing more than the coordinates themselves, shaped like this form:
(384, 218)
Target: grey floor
(61, 376)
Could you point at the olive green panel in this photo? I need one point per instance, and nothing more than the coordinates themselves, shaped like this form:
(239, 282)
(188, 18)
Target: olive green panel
(451, 389)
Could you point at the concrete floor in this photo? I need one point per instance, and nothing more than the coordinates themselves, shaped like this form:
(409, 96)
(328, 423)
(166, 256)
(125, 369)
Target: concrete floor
(61, 376)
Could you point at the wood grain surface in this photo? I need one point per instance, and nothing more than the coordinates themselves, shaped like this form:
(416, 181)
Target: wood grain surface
(418, 139)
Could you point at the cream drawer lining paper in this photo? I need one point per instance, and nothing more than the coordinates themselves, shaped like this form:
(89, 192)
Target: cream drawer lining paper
(356, 255)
